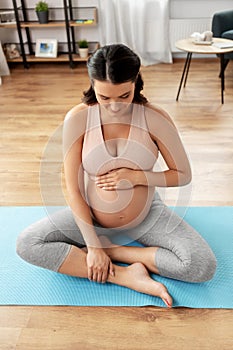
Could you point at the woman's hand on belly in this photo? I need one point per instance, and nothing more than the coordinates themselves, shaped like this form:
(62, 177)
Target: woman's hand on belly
(117, 179)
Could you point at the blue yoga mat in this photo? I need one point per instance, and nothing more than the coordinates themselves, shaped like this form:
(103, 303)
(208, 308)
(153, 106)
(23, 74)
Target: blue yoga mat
(25, 284)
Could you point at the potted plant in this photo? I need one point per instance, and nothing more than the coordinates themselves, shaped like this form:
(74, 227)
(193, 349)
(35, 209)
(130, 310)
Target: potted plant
(83, 48)
(42, 10)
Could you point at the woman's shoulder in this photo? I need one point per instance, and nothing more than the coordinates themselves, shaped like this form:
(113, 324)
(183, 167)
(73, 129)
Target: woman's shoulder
(74, 125)
(78, 111)
(155, 113)
(76, 118)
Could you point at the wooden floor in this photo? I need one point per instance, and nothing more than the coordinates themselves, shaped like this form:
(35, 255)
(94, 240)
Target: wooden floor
(32, 107)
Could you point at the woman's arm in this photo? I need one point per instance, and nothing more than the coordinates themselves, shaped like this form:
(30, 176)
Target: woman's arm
(73, 133)
(165, 134)
(99, 264)
(75, 187)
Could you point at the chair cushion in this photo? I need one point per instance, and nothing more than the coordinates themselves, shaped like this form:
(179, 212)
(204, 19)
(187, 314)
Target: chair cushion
(228, 34)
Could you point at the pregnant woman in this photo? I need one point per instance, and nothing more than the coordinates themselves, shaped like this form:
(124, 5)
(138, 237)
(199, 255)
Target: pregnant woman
(111, 143)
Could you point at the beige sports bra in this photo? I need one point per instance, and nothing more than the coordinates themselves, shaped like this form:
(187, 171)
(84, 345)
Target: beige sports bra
(140, 152)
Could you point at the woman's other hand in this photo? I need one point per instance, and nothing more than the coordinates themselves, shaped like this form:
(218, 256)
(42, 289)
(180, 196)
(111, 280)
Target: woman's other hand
(99, 265)
(118, 179)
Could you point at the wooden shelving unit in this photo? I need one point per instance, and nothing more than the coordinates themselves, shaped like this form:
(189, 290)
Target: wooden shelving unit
(70, 21)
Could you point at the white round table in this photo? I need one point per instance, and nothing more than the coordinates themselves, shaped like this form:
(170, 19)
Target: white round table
(188, 46)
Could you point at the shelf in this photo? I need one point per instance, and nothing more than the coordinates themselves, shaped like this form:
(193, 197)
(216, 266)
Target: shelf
(46, 25)
(77, 58)
(9, 25)
(51, 24)
(59, 58)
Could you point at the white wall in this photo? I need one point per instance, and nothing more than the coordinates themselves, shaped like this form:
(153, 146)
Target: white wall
(199, 12)
(198, 8)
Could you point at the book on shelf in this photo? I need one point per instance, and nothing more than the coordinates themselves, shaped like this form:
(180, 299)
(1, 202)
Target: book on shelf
(85, 21)
(226, 45)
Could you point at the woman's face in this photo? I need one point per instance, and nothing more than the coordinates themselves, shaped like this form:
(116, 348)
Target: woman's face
(114, 96)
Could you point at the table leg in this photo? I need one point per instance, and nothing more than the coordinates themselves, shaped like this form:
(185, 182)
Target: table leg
(185, 73)
(222, 76)
(187, 69)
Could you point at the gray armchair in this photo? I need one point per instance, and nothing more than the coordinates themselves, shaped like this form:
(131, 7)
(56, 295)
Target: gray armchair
(222, 27)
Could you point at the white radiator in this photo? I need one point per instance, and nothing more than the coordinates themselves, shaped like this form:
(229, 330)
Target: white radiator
(183, 28)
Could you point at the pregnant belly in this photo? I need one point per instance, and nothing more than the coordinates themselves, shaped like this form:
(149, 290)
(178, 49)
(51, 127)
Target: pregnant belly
(121, 208)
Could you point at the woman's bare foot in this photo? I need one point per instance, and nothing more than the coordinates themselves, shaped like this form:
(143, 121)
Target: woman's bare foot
(140, 280)
(136, 275)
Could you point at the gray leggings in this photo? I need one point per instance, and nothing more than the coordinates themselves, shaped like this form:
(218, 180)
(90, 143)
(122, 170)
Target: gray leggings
(183, 254)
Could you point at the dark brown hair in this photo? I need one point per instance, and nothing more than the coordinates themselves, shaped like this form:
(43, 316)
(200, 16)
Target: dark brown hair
(118, 64)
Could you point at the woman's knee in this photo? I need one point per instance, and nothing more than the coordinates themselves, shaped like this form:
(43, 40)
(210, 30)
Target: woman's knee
(193, 268)
(206, 269)
(32, 237)
(197, 261)
(21, 245)
(199, 270)
(24, 243)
